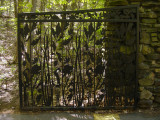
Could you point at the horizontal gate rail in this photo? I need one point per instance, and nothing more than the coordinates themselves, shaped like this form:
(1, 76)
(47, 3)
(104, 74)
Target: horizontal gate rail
(84, 60)
(74, 20)
(82, 11)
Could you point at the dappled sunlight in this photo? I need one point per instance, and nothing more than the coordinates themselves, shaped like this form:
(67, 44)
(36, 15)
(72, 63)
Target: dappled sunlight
(47, 116)
(106, 117)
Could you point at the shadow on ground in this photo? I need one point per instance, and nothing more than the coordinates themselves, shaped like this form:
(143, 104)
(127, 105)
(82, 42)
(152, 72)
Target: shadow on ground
(80, 116)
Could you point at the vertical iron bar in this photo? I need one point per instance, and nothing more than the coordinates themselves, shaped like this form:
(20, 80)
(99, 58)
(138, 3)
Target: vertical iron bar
(51, 67)
(83, 91)
(94, 62)
(19, 63)
(41, 63)
(62, 63)
(74, 85)
(137, 49)
(30, 73)
(126, 84)
(105, 79)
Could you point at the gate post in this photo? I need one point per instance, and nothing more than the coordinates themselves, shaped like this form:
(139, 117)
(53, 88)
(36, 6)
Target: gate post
(19, 61)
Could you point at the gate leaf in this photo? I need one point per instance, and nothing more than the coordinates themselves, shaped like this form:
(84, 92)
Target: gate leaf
(55, 17)
(129, 27)
(57, 76)
(72, 17)
(66, 25)
(53, 45)
(34, 42)
(122, 30)
(70, 31)
(91, 29)
(21, 31)
(38, 32)
(91, 56)
(103, 31)
(88, 62)
(67, 69)
(34, 26)
(86, 32)
(130, 38)
(59, 56)
(58, 29)
(55, 63)
(36, 69)
(26, 30)
(86, 45)
(24, 63)
(98, 25)
(65, 42)
(69, 97)
(53, 32)
(89, 15)
(22, 45)
(99, 42)
(25, 73)
(67, 59)
(27, 57)
(35, 60)
(99, 70)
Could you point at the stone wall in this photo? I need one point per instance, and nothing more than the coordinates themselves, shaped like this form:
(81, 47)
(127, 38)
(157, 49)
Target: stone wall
(149, 50)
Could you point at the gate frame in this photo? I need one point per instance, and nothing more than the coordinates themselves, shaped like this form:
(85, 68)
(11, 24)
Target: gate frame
(92, 108)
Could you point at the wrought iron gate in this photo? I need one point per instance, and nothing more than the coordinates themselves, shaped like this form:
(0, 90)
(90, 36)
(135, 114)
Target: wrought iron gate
(78, 59)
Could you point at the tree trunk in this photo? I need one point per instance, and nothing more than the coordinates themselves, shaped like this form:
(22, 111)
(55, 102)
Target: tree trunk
(2, 4)
(20, 2)
(34, 5)
(15, 8)
(43, 5)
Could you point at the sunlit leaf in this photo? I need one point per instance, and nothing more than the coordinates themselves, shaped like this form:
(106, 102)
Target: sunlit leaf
(26, 30)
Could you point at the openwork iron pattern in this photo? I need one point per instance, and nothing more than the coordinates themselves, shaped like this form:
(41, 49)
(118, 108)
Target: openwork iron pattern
(78, 59)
